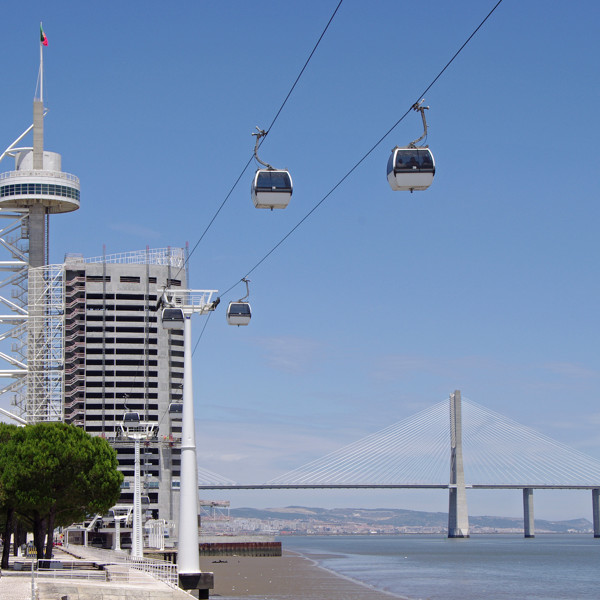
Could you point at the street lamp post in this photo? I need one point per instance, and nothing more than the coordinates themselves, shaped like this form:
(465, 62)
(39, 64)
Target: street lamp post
(179, 306)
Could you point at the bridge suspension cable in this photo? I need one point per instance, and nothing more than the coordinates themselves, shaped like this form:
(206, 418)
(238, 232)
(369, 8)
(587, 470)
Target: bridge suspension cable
(497, 451)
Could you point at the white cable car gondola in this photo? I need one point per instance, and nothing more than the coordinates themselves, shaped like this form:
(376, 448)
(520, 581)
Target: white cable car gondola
(240, 313)
(172, 318)
(412, 167)
(176, 410)
(131, 418)
(271, 187)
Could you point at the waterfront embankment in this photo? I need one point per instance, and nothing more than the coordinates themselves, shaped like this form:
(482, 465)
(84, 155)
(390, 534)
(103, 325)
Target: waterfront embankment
(289, 577)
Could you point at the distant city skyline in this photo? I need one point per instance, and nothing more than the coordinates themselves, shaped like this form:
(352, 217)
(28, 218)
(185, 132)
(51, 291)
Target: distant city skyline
(380, 303)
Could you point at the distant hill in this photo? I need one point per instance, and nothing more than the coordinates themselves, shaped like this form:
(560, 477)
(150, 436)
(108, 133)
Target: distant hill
(397, 517)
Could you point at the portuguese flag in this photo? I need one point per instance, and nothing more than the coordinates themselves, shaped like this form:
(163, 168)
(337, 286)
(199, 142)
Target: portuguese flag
(43, 38)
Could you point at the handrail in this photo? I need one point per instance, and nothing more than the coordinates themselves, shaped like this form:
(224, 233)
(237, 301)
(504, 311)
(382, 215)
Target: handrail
(40, 173)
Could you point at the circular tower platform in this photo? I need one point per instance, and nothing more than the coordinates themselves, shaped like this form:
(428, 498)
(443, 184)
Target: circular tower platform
(56, 191)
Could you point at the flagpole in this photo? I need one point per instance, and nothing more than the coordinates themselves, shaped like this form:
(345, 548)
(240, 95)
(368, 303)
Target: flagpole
(41, 68)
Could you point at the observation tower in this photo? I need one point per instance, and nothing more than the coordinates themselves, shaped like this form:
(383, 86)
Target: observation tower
(35, 189)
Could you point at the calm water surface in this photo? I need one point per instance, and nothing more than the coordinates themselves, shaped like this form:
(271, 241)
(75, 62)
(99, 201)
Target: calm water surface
(494, 567)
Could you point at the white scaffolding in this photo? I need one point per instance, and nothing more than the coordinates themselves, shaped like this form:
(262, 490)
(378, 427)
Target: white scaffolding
(14, 240)
(45, 333)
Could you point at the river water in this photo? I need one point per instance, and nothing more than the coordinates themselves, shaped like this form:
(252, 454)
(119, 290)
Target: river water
(494, 567)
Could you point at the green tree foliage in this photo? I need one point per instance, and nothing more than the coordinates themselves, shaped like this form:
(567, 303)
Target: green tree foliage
(56, 474)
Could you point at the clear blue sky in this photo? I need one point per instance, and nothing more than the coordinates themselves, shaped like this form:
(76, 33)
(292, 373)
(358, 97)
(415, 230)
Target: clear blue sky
(382, 303)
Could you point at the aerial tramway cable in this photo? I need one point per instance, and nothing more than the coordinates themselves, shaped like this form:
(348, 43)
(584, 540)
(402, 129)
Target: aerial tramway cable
(356, 165)
(369, 152)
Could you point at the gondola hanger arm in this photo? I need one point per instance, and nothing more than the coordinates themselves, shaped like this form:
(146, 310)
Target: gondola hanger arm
(260, 134)
(418, 106)
(246, 281)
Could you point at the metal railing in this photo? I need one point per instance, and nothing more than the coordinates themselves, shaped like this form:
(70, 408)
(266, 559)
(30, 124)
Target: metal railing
(125, 568)
(174, 257)
(40, 173)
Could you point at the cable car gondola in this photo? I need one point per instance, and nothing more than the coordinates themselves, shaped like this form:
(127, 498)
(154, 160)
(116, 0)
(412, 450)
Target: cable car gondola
(412, 167)
(172, 318)
(131, 418)
(176, 410)
(239, 312)
(271, 187)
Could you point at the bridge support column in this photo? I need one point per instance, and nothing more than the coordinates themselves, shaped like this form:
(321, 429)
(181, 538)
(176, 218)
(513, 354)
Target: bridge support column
(596, 511)
(458, 517)
(528, 522)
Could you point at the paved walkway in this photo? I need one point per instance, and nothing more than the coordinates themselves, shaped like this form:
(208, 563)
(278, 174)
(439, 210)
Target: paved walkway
(15, 586)
(137, 585)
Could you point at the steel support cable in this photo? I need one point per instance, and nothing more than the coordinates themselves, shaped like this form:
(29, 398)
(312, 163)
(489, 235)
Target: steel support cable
(515, 457)
(369, 152)
(541, 457)
(424, 469)
(414, 450)
(511, 459)
(364, 450)
(487, 461)
(485, 452)
(437, 469)
(358, 448)
(427, 454)
(481, 468)
(206, 477)
(549, 467)
(404, 437)
(267, 131)
(338, 461)
(305, 65)
(413, 455)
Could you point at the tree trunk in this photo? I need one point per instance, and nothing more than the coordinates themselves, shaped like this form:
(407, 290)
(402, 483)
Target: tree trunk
(8, 530)
(50, 530)
(38, 535)
(20, 536)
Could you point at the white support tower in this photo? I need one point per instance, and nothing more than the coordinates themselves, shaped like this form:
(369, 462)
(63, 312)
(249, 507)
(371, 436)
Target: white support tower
(36, 188)
(458, 517)
(189, 302)
(134, 429)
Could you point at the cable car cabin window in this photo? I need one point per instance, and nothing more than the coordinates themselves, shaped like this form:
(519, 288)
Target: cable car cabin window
(414, 159)
(273, 180)
(239, 308)
(172, 318)
(131, 417)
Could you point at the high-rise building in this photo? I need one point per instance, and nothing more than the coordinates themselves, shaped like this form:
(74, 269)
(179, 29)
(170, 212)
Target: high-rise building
(120, 361)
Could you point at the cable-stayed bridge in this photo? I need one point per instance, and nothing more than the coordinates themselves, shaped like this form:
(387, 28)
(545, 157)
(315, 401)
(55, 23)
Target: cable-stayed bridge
(452, 445)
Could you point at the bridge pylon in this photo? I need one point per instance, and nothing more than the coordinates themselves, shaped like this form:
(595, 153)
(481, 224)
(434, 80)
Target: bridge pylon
(458, 516)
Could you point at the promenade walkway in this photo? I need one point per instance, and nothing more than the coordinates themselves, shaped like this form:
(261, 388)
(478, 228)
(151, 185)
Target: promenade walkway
(16, 586)
(89, 576)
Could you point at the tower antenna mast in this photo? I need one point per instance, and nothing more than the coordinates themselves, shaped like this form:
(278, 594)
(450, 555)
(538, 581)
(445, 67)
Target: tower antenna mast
(43, 42)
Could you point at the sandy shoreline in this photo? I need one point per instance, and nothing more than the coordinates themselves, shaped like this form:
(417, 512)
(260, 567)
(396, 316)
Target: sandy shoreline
(289, 577)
